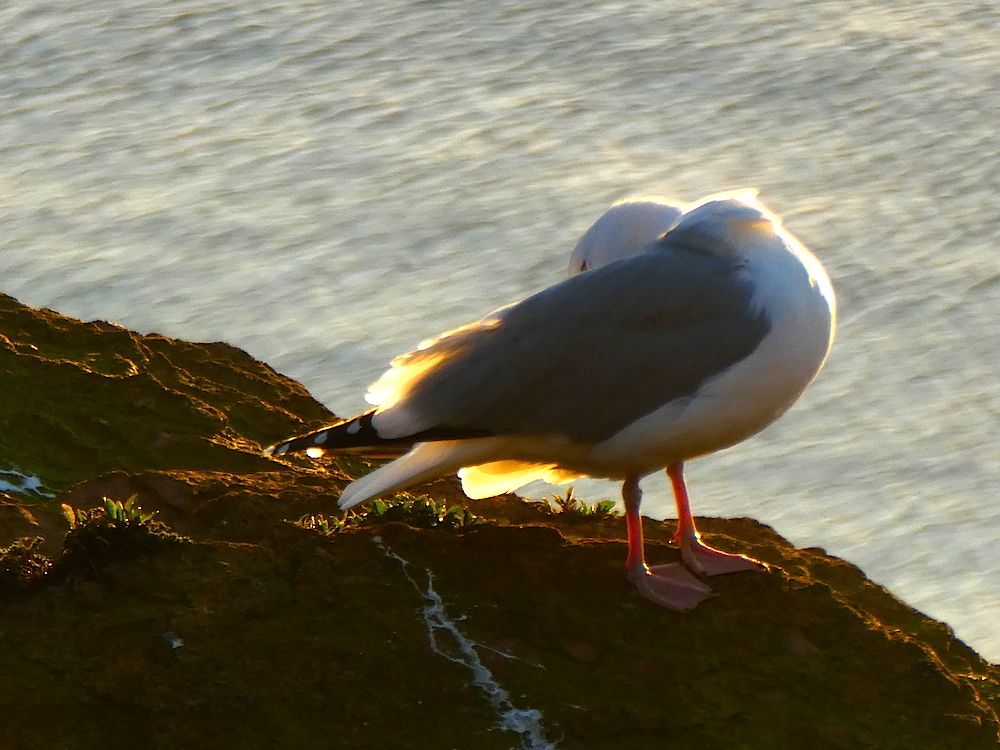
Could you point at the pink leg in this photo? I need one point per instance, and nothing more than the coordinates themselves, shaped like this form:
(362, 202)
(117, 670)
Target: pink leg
(670, 586)
(698, 556)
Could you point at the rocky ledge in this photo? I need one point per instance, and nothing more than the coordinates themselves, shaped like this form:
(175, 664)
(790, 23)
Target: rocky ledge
(164, 586)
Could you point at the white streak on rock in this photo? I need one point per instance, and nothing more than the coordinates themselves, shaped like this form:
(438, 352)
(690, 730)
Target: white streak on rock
(523, 721)
(25, 484)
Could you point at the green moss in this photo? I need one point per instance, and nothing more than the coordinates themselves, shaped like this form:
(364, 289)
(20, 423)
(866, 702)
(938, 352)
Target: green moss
(81, 399)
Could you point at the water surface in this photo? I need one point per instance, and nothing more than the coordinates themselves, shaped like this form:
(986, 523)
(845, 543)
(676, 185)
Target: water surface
(325, 185)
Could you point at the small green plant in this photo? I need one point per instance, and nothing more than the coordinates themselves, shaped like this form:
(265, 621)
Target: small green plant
(322, 524)
(421, 512)
(113, 530)
(570, 504)
(116, 512)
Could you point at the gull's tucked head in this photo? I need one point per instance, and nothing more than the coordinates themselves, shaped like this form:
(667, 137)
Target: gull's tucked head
(622, 231)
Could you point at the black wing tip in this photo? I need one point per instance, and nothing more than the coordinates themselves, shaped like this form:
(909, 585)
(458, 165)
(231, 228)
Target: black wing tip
(359, 434)
(344, 435)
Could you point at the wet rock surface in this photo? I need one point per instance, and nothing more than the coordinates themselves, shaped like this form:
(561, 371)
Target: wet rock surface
(268, 622)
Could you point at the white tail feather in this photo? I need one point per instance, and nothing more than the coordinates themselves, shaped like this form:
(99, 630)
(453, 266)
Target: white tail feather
(424, 461)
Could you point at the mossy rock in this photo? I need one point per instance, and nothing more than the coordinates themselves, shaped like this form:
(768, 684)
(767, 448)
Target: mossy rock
(231, 620)
(305, 636)
(81, 399)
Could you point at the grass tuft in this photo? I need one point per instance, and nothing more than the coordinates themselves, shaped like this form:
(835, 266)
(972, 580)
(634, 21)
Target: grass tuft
(112, 531)
(571, 506)
(417, 511)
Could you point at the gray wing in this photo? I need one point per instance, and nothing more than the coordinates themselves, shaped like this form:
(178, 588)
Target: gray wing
(584, 358)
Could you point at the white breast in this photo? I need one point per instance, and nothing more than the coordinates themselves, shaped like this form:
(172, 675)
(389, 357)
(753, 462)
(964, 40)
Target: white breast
(793, 290)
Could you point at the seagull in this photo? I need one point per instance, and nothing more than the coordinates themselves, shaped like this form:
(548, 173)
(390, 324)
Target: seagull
(622, 231)
(682, 330)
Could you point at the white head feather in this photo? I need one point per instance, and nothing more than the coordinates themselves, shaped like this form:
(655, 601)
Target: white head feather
(622, 231)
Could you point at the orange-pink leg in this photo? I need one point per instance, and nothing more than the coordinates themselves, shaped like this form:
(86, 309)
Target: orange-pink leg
(671, 585)
(698, 556)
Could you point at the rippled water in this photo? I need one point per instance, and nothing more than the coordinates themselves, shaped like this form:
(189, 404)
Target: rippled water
(325, 184)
